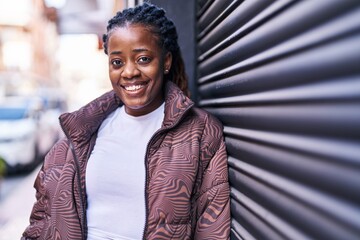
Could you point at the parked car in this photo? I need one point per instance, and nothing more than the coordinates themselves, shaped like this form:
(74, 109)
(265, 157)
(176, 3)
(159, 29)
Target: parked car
(18, 135)
(27, 132)
(53, 103)
(29, 126)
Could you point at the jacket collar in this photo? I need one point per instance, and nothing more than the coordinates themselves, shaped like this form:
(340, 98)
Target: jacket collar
(80, 125)
(176, 104)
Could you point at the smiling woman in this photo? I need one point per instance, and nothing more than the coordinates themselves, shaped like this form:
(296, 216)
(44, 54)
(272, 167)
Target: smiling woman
(141, 161)
(137, 64)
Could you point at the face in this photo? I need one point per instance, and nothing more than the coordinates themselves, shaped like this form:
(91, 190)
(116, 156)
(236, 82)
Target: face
(136, 68)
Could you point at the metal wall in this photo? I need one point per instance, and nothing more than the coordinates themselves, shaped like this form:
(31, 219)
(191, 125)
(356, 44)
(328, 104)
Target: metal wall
(284, 78)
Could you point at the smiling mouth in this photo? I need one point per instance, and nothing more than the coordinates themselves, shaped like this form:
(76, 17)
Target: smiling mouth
(134, 87)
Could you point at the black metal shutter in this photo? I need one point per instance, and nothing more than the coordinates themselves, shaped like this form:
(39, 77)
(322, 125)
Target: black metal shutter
(284, 78)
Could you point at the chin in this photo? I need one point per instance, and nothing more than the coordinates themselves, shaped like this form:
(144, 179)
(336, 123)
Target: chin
(135, 107)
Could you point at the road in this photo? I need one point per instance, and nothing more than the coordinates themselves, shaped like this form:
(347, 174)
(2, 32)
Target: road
(16, 201)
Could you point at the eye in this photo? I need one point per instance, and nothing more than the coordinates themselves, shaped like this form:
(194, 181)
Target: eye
(116, 63)
(144, 59)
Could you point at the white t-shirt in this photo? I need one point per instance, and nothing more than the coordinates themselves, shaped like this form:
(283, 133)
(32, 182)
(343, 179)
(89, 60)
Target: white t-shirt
(115, 175)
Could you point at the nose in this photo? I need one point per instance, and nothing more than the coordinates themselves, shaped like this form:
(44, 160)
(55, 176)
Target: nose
(130, 70)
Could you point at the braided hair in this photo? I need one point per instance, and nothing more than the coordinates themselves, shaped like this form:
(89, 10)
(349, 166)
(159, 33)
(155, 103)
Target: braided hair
(163, 28)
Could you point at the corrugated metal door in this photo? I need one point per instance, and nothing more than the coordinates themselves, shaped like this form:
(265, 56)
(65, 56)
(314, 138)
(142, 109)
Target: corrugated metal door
(284, 78)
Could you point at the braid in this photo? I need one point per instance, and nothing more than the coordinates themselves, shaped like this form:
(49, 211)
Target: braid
(154, 18)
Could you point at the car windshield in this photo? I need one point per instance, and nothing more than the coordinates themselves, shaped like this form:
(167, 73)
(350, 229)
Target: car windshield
(12, 113)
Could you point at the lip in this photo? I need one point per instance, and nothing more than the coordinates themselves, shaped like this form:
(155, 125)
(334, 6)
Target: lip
(134, 87)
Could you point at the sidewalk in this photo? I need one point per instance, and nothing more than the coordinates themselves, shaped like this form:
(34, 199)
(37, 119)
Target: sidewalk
(15, 210)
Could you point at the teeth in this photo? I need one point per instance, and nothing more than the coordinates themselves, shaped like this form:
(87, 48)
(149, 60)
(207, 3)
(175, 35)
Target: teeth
(133, 87)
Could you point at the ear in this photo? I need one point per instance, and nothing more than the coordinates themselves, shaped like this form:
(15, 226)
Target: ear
(167, 61)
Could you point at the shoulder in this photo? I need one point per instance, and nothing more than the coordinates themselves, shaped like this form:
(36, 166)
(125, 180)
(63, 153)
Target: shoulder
(205, 117)
(212, 130)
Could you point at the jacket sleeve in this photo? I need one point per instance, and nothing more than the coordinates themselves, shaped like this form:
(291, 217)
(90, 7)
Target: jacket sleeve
(44, 185)
(38, 216)
(213, 202)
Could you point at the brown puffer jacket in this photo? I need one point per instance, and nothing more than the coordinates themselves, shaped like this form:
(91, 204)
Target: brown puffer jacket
(187, 188)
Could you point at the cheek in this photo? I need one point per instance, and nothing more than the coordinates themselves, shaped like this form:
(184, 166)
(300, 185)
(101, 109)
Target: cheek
(157, 75)
(114, 76)
(157, 88)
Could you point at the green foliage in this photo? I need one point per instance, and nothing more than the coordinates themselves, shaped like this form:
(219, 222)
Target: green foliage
(2, 167)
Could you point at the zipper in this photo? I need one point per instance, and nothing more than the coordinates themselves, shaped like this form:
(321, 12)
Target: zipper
(146, 178)
(156, 134)
(76, 160)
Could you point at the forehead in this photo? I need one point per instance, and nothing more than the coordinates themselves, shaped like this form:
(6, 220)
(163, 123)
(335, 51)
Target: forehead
(133, 36)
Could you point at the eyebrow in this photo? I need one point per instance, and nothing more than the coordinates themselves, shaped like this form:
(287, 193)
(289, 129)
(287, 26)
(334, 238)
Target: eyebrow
(135, 50)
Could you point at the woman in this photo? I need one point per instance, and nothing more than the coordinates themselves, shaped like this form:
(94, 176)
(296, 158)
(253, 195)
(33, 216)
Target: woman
(141, 161)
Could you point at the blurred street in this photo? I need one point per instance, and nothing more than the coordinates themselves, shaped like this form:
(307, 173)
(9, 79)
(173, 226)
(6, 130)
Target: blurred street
(17, 197)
